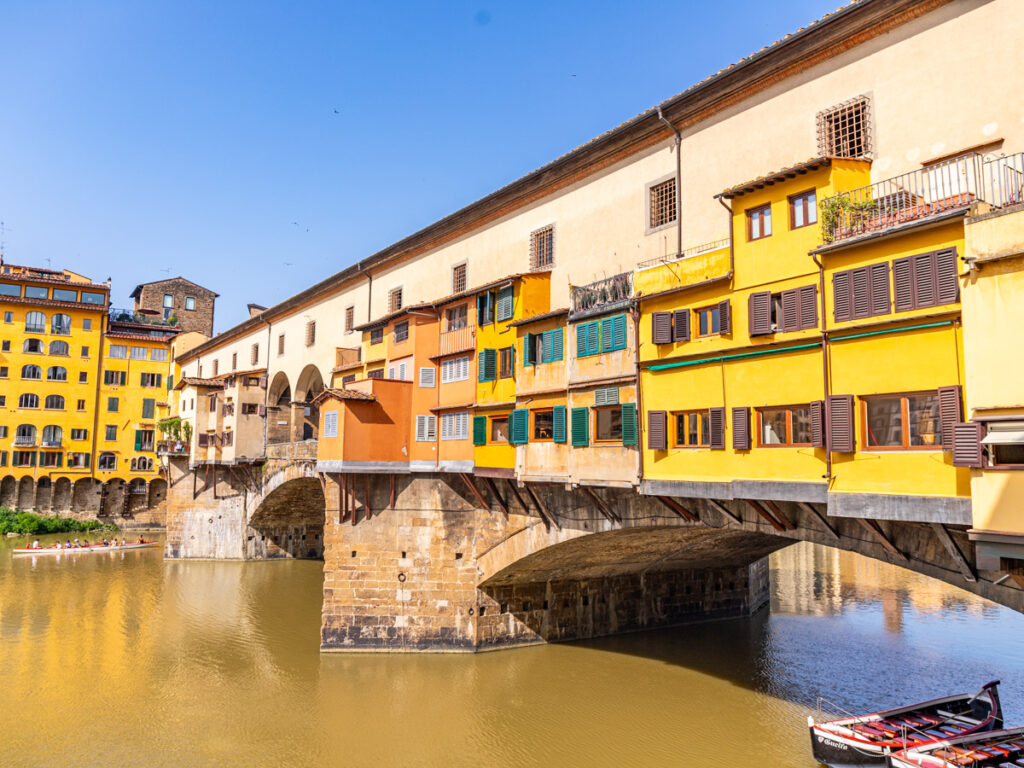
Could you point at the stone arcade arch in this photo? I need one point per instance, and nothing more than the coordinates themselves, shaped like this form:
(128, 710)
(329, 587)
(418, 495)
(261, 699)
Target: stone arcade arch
(113, 497)
(62, 495)
(44, 494)
(288, 521)
(279, 401)
(305, 415)
(85, 495)
(26, 494)
(138, 496)
(157, 492)
(8, 492)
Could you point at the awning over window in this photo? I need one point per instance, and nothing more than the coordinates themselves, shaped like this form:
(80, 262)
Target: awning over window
(1002, 435)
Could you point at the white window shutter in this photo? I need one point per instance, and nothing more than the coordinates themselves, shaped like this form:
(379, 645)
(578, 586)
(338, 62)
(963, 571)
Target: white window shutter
(427, 377)
(606, 396)
(431, 428)
(391, 372)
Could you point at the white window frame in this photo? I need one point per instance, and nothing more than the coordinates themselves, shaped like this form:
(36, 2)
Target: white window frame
(428, 377)
(426, 428)
(330, 424)
(455, 369)
(455, 426)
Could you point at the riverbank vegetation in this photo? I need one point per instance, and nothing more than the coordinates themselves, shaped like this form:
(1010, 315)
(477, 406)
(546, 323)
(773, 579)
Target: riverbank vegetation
(13, 521)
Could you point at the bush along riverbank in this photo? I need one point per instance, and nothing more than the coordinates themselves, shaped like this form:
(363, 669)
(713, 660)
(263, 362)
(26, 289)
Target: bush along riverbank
(28, 523)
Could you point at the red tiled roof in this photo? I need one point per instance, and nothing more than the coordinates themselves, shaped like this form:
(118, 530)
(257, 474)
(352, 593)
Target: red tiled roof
(775, 177)
(192, 381)
(138, 337)
(52, 303)
(343, 394)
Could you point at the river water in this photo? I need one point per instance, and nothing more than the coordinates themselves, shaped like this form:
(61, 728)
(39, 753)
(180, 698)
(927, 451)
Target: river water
(130, 660)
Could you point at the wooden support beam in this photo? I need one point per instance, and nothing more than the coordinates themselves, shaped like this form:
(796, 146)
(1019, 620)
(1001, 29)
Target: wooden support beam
(678, 508)
(766, 515)
(366, 502)
(195, 482)
(475, 491)
(547, 517)
(601, 506)
(725, 512)
(494, 489)
(780, 515)
(515, 492)
(954, 551)
(323, 485)
(872, 527)
(391, 503)
(809, 508)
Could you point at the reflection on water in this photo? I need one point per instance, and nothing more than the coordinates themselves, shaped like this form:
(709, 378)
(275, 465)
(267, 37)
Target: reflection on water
(126, 659)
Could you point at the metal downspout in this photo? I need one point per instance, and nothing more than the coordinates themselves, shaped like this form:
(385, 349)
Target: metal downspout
(732, 248)
(824, 370)
(679, 182)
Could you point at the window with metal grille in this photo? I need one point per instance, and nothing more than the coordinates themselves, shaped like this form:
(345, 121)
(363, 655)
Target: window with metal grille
(350, 319)
(310, 333)
(458, 278)
(661, 204)
(845, 129)
(401, 331)
(542, 247)
(394, 299)
(280, 344)
(234, 361)
(377, 335)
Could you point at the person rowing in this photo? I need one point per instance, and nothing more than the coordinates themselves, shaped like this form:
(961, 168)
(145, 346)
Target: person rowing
(141, 540)
(35, 544)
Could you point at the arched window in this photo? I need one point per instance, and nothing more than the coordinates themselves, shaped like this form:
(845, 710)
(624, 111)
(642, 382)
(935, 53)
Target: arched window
(57, 373)
(107, 461)
(58, 348)
(134, 465)
(28, 400)
(26, 435)
(52, 436)
(60, 324)
(31, 372)
(33, 345)
(54, 403)
(144, 464)
(35, 322)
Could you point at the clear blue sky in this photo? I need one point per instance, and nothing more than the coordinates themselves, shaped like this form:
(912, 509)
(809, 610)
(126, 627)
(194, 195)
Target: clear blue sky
(257, 147)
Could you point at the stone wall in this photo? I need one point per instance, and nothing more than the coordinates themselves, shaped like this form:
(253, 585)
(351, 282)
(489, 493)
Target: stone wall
(151, 297)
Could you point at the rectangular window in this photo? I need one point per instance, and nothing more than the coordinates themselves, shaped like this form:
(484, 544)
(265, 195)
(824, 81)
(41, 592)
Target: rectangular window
(907, 422)
(505, 304)
(250, 409)
(81, 405)
(863, 292)
(454, 369)
(485, 308)
(168, 301)
(112, 404)
(85, 351)
(310, 333)
(234, 361)
(139, 353)
(83, 377)
(92, 298)
(456, 317)
(51, 459)
(458, 278)
(5, 346)
(543, 347)
(350, 319)
(3, 371)
(35, 292)
(158, 355)
(254, 354)
(543, 425)
(280, 344)
(845, 130)
(190, 303)
(428, 375)
(331, 424)
(114, 378)
(499, 429)
(455, 426)
(78, 460)
(63, 294)
(79, 434)
(394, 299)
(216, 367)
(6, 289)
(24, 459)
(661, 204)
(401, 331)
(148, 408)
(759, 222)
(542, 248)
(786, 426)
(8, 317)
(87, 324)
(506, 362)
(377, 373)
(608, 424)
(110, 432)
(803, 209)
(426, 429)
(377, 335)
(144, 440)
(707, 321)
(693, 429)
(3, 430)
(117, 351)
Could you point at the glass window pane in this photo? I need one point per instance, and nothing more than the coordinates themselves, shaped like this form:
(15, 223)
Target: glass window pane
(92, 298)
(801, 425)
(705, 428)
(773, 426)
(692, 432)
(812, 208)
(766, 222)
(798, 212)
(609, 424)
(703, 315)
(6, 289)
(923, 414)
(499, 430)
(543, 424)
(63, 294)
(681, 429)
(715, 325)
(35, 292)
(884, 423)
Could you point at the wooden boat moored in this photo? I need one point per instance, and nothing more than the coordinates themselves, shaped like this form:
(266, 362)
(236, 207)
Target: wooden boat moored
(868, 739)
(990, 749)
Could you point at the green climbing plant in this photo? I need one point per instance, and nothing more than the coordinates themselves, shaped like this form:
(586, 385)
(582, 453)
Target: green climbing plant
(841, 210)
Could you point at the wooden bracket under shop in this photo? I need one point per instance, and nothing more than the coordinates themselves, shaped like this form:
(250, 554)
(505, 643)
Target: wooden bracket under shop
(494, 489)
(678, 508)
(820, 517)
(601, 506)
(873, 528)
(547, 517)
(766, 515)
(944, 536)
(519, 498)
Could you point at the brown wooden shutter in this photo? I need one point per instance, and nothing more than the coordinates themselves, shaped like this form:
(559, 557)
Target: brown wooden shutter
(948, 281)
(861, 293)
(741, 429)
(724, 316)
(924, 280)
(950, 413)
(681, 325)
(661, 327)
(818, 423)
(839, 418)
(842, 296)
(717, 424)
(903, 284)
(808, 300)
(790, 320)
(760, 313)
(880, 301)
(657, 430)
(967, 444)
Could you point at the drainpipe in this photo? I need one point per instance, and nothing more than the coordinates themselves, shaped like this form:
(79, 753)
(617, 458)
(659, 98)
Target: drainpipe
(732, 247)
(824, 367)
(679, 181)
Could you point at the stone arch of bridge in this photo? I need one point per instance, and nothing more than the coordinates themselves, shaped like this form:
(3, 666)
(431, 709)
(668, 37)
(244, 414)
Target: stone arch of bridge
(287, 518)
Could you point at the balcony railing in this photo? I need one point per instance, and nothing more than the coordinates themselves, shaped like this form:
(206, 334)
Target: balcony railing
(599, 294)
(23, 440)
(51, 443)
(696, 250)
(950, 185)
(172, 447)
(457, 340)
(344, 356)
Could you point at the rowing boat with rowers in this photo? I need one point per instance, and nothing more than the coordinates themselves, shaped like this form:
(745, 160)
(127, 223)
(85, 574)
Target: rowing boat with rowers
(867, 739)
(21, 551)
(992, 749)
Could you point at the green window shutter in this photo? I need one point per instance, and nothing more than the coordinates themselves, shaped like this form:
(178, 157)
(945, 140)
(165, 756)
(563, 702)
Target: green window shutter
(557, 338)
(558, 424)
(481, 366)
(138, 439)
(491, 363)
(159, 376)
(170, 383)
(592, 338)
(528, 348)
(619, 332)
(581, 340)
(148, 408)
(519, 428)
(479, 430)
(87, 460)
(580, 427)
(142, 379)
(629, 436)
(606, 334)
(506, 303)
(546, 348)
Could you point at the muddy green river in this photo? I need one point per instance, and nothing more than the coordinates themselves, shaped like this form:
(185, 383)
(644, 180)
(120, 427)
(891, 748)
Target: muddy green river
(130, 660)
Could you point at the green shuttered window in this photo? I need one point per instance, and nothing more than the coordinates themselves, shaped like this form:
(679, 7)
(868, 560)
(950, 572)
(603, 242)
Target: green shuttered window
(580, 427)
(607, 335)
(505, 304)
(550, 349)
(519, 426)
(487, 365)
(629, 430)
(558, 424)
(479, 430)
